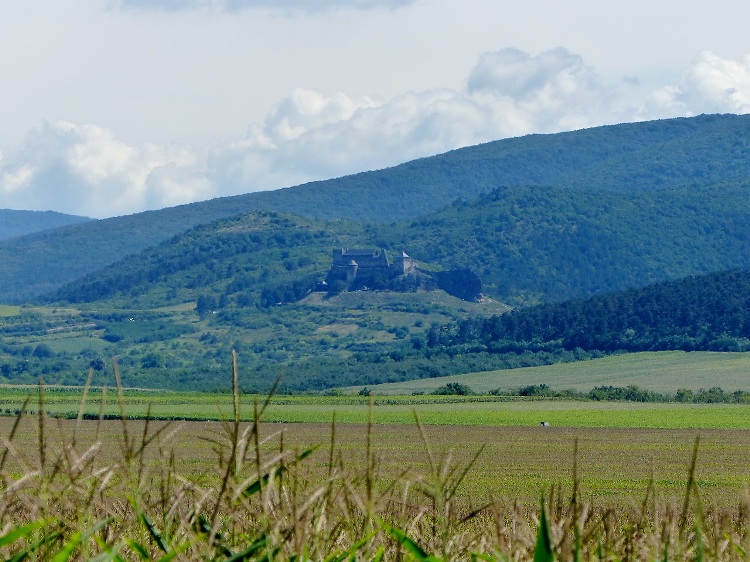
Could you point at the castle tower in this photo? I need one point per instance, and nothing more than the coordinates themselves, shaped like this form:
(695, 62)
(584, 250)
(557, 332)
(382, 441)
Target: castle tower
(403, 264)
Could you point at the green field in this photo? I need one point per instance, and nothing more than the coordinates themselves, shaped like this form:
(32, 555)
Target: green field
(483, 411)
(615, 463)
(8, 310)
(663, 371)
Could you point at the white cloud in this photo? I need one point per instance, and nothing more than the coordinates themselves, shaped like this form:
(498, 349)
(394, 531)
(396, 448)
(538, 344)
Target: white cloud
(14, 180)
(85, 169)
(312, 136)
(551, 91)
(710, 85)
(306, 110)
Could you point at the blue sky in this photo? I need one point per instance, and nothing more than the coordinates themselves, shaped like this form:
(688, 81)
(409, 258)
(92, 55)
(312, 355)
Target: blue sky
(109, 107)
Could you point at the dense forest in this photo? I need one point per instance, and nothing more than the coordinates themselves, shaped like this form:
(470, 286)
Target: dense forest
(710, 312)
(629, 158)
(541, 244)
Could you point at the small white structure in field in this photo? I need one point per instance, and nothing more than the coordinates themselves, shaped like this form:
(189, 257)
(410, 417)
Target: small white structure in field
(544, 424)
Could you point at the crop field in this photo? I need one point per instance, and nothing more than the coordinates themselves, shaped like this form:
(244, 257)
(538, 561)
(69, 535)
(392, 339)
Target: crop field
(516, 463)
(467, 481)
(482, 411)
(619, 443)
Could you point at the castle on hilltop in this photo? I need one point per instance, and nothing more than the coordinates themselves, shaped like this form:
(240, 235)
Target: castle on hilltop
(368, 269)
(363, 265)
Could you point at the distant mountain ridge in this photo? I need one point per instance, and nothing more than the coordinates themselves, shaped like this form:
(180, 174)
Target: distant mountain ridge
(19, 223)
(634, 157)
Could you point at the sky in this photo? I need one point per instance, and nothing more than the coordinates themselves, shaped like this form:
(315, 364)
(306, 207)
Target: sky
(111, 107)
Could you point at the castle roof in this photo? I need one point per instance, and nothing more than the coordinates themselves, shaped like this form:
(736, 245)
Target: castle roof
(358, 252)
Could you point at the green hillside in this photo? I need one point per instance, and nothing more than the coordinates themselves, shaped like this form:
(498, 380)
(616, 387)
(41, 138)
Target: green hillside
(526, 241)
(664, 372)
(316, 343)
(528, 244)
(705, 150)
(174, 313)
(230, 259)
(19, 223)
(533, 244)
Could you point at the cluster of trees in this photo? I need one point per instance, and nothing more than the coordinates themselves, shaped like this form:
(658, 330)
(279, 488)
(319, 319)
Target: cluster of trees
(289, 292)
(454, 389)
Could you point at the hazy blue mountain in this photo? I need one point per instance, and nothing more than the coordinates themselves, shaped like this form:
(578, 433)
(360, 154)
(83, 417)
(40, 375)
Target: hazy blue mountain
(18, 223)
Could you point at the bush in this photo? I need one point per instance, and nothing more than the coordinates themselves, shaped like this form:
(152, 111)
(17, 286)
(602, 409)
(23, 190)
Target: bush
(43, 351)
(455, 389)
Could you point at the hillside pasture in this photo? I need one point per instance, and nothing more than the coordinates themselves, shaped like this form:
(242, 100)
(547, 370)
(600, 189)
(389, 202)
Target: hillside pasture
(9, 310)
(663, 371)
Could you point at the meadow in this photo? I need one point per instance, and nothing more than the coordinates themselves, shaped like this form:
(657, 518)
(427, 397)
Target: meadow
(8, 310)
(479, 410)
(357, 478)
(663, 371)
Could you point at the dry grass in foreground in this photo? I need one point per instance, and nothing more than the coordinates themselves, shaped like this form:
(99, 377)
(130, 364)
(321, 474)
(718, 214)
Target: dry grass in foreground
(70, 501)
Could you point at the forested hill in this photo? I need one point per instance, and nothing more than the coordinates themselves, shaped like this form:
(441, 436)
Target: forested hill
(706, 149)
(528, 245)
(710, 312)
(17, 223)
(231, 260)
(537, 244)
(630, 157)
